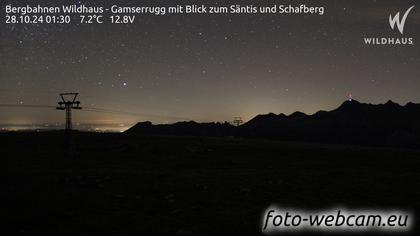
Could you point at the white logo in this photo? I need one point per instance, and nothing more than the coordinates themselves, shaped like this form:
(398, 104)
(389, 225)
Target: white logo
(400, 22)
(390, 40)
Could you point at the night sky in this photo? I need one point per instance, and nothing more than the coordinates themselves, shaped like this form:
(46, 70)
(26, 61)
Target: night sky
(208, 67)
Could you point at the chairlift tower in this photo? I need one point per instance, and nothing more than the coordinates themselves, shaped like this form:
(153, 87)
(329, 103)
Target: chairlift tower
(67, 103)
(237, 121)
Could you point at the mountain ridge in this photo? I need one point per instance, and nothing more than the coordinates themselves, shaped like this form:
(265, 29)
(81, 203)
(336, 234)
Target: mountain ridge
(389, 124)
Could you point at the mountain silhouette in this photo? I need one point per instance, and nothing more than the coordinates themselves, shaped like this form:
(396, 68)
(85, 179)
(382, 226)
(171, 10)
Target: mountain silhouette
(388, 124)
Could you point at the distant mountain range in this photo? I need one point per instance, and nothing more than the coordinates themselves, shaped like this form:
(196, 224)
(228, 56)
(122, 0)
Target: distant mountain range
(388, 124)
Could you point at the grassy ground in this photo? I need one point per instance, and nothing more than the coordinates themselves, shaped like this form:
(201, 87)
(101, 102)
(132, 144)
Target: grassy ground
(116, 184)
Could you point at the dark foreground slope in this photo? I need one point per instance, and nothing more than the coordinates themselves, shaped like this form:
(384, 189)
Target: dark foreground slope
(118, 184)
(386, 124)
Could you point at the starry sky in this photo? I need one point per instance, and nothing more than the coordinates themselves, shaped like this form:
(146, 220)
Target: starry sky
(207, 67)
